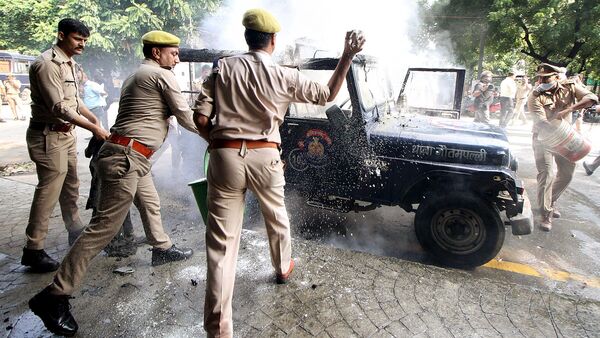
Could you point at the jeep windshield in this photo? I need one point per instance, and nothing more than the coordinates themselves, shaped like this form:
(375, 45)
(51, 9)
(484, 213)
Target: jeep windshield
(373, 89)
(432, 91)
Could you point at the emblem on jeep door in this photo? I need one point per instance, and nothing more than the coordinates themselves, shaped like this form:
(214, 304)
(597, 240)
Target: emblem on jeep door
(312, 151)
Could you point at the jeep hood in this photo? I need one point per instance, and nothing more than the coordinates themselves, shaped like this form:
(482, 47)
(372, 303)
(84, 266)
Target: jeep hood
(440, 140)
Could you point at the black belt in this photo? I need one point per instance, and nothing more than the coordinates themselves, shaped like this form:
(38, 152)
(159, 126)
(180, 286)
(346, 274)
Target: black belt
(60, 127)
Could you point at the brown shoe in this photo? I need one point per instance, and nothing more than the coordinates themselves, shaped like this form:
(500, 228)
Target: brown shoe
(283, 278)
(546, 223)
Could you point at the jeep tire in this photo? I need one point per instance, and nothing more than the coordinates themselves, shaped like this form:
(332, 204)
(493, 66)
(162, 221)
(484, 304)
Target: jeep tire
(460, 229)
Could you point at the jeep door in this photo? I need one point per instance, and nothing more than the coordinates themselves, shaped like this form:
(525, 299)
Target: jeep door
(307, 141)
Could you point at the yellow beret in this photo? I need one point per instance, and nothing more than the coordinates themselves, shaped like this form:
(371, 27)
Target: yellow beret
(160, 38)
(260, 20)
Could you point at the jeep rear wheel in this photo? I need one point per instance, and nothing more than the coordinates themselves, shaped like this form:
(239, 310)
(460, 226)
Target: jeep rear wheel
(460, 229)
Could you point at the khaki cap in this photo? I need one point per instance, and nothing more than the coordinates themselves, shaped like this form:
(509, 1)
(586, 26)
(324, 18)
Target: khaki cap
(545, 69)
(160, 38)
(260, 20)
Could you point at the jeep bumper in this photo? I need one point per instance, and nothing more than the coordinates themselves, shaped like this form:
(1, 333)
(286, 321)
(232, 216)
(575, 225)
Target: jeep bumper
(522, 223)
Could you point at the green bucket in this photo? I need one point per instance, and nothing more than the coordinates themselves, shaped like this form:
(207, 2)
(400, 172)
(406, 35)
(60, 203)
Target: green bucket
(200, 190)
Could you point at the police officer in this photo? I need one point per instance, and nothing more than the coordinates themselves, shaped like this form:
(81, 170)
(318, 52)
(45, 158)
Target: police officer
(553, 99)
(484, 95)
(248, 95)
(148, 98)
(56, 109)
(13, 90)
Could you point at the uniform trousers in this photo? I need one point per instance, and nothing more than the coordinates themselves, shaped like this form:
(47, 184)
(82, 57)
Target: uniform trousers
(506, 110)
(230, 173)
(125, 178)
(55, 158)
(520, 109)
(549, 188)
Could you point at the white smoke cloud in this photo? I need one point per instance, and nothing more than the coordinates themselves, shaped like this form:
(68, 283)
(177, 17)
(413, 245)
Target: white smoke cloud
(388, 26)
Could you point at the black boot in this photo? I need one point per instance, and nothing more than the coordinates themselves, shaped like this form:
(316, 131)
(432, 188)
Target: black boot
(54, 312)
(38, 260)
(172, 254)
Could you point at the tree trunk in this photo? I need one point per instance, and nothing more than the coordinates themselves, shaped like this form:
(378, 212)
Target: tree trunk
(481, 50)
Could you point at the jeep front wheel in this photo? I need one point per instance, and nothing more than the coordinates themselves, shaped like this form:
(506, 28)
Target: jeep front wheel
(460, 229)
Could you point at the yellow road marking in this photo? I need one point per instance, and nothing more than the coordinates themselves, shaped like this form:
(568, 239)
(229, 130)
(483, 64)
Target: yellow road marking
(513, 267)
(557, 275)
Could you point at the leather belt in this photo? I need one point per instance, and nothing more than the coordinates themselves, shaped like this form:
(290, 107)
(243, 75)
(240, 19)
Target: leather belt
(60, 127)
(237, 144)
(135, 145)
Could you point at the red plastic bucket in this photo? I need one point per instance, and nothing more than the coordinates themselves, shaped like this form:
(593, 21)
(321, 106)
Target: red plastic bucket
(565, 141)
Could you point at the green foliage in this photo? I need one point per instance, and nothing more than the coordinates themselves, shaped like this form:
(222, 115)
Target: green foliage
(29, 26)
(560, 32)
(521, 33)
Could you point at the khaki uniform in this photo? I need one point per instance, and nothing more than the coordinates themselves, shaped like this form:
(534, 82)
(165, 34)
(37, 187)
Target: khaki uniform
(12, 89)
(12, 96)
(542, 107)
(55, 100)
(2, 94)
(523, 90)
(148, 98)
(250, 94)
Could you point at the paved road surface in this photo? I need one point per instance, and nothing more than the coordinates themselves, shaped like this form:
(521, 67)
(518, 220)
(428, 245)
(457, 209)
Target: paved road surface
(335, 292)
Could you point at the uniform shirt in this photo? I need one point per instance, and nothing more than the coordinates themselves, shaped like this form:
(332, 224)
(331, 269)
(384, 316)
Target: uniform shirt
(523, 90)
(148, 98)
(544, 105)
(508, 88)
(251, 95)
(12, 88)
(93, 94)
(54, 88)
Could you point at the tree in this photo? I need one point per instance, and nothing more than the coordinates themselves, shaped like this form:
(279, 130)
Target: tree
(466, 22)
(559, 32)
(29, 26)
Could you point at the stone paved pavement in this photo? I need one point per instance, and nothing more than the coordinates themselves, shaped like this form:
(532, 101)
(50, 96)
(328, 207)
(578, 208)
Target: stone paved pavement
(333, 293)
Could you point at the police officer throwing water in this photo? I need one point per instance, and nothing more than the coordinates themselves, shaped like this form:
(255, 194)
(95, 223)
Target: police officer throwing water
(248, 95)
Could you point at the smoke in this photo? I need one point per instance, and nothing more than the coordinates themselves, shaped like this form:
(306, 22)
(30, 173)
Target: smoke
(390, 28)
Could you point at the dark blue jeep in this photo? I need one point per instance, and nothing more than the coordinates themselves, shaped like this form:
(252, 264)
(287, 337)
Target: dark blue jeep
(366, 150)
